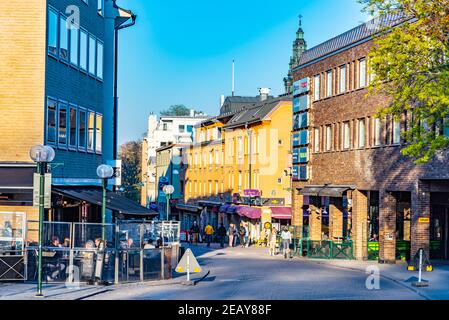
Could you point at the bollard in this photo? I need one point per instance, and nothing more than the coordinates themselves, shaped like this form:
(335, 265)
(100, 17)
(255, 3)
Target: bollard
(420, 282)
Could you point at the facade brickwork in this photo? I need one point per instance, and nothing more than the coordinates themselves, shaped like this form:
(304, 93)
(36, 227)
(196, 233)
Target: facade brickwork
(387, 234)
(359, 223)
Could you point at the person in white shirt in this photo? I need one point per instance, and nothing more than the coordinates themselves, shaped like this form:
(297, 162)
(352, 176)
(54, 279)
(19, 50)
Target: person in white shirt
(286, 237)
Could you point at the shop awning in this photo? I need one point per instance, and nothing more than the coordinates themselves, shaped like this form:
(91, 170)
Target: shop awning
(249, 212)
(186, 207)
(210, 203)
(16, 176)
(325, 191)
(281, 213)
(114, 201)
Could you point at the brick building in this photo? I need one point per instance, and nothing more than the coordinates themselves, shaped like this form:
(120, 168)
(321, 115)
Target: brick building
(58, 62)
(350, 181)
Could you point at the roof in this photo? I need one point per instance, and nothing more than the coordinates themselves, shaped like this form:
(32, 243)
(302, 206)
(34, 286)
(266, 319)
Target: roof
(255, 113)
(114, 201)
(363, 32)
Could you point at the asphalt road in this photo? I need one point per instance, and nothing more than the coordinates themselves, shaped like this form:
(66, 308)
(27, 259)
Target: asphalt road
(250, 274)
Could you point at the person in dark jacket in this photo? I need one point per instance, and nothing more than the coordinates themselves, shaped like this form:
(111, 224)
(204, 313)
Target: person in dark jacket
(195, 232)
(221, 234)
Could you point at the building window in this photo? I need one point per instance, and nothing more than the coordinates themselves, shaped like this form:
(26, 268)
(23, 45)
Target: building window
(342, 79)
(63, 39)
(52, 32)
(82, 129)
(92, 55)
(396, 132)
(164, 126)
(377, 132)
(328, 138)
(316, 140)
(362, 133)
(181, 128)
(240, 182)
(74, 41)
(98, 135)
(362, 73)
(51, 120)
(329, 89)
(83, 50)
(100, 6)
(62, 125)
(316, 87)
(346, 135)
(90, 131)
(240, 147)
(72, 127)
(100, 60)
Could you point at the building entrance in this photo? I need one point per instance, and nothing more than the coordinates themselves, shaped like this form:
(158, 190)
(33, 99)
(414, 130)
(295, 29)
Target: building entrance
(439, 226)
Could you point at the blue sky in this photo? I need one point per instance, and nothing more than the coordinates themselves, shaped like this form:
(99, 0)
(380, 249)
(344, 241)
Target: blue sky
(181, 52)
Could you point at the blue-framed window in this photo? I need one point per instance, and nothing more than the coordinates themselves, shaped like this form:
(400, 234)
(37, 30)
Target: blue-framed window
(84, 49)
(100, 7)
(100, 60)
(92, 55)
(90, 131)
(62, 124)
(303, 172)
(82, 129)
(296, 140)
(74, 44)
(52, 33)
(52, 111)
(73, 127)
(303, 137)
(98, 132)
(63, 39)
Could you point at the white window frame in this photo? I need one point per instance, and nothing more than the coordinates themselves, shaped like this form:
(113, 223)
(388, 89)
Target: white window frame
(329, 137)
(377, 132)
(342, 79)
(346, 135)
(362, 73)
(396, 139)
(317, 87)
(316, 142)
(329, 83)
(361, 137)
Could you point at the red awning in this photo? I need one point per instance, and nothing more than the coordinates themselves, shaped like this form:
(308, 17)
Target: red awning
(281, 213)
(249, 212)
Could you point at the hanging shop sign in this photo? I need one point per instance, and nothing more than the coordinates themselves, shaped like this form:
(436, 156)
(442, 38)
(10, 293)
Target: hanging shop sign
(301, 86)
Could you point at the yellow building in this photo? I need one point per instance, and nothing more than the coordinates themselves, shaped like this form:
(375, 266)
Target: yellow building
(240, 165)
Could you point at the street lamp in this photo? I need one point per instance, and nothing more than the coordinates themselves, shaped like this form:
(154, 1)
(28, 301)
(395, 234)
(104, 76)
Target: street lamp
(168, 190)
(105, 172)
(41, 155)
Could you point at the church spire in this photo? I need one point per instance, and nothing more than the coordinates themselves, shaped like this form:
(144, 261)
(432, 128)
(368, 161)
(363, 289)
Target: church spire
(299, 46)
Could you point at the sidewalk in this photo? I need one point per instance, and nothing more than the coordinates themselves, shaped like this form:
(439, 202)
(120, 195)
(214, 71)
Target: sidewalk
(438, 288)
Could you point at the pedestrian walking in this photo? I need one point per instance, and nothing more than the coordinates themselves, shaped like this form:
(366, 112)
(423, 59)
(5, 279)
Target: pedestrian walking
(195, 232)
(242, 232)
(272, 241)
(231, 233)
(246, 235)
(286, 237)
(209, 231)
(221, 235)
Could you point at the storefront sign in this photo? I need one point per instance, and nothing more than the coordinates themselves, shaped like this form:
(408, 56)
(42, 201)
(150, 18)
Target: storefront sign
(301, 86)
(46, 191)
(424, 220)
(300, 104)
(251, 193)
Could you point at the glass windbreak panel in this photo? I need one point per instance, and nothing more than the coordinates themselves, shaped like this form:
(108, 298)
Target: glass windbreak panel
(92, 55)
(52, 37)
(74, 44)
(72, 137)
(51, 120)
(82, 129)
(100, 60)
(83, 50)
(130, 235)
(89, 235)
(90, 130)
(63, 39)
(62, 127)
(56, 234)
(12, 231)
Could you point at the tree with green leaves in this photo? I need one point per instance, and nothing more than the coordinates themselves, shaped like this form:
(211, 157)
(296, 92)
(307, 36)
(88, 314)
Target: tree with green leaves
(130, 154)
(411, 66)
(179, 110)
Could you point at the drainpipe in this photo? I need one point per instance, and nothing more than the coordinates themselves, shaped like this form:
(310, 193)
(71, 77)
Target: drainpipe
(117, 28)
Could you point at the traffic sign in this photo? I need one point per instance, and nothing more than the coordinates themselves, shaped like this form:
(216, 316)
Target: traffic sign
(188, 263)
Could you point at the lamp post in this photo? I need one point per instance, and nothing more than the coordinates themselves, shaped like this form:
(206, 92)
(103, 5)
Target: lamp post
(168, 190)
(41, 155)
(105, 172)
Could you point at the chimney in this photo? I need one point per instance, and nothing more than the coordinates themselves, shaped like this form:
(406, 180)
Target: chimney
(264, 92)
(222, 100)
(192, 113)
